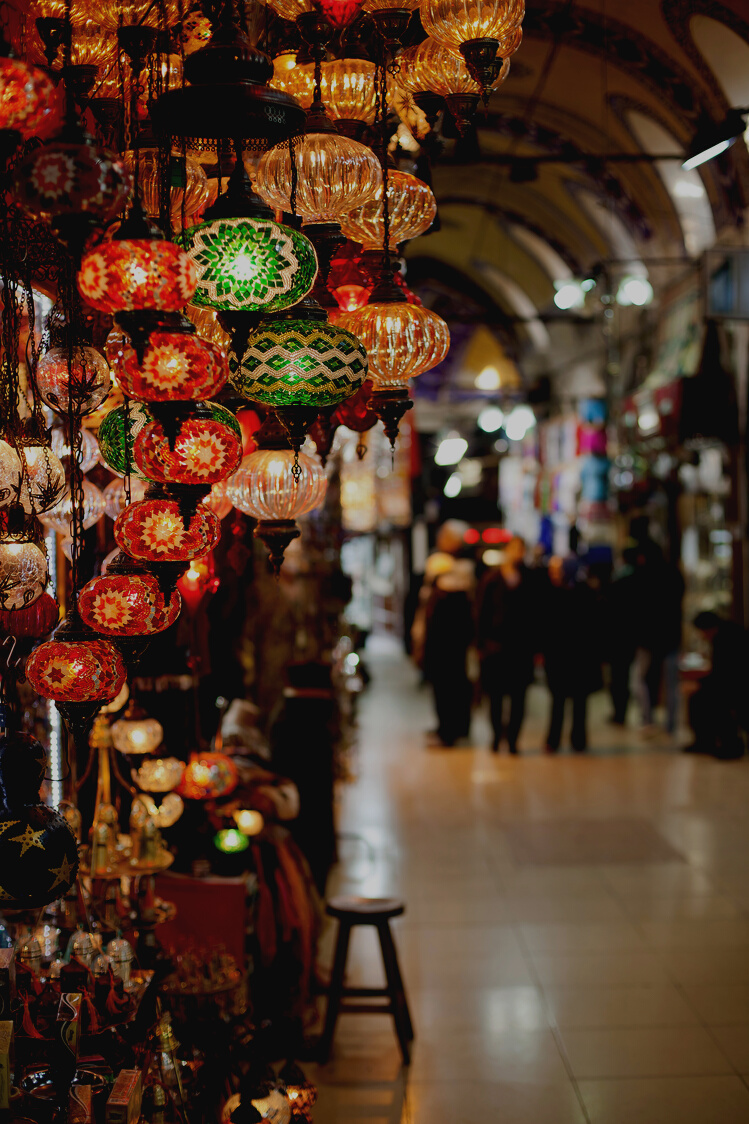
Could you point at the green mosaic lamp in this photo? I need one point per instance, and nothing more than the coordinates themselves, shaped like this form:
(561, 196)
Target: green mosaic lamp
(117, 435)
(299, 359)
(247, 262)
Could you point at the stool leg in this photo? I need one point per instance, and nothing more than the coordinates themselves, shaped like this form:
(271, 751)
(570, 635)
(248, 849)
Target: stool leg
(396, 991)
(335, 991)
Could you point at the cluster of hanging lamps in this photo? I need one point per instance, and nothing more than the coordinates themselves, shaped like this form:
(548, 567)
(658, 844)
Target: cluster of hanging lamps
(484, 33)
(432, 67)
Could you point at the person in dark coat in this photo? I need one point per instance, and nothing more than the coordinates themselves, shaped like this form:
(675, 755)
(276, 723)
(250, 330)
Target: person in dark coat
(621, 633)
(718, 709)
(448, 635)
(572, 655)
(659, 593)
(506, 640)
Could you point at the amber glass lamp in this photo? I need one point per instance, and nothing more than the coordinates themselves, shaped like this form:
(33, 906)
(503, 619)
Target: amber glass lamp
(295, 78)
(483, 32)
(411, 205)
(431, 67)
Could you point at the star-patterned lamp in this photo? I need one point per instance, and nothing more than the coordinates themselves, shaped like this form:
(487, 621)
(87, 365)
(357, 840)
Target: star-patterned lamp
(127, 601)
(177, 365)
(76, 670)
(206, 448)
(153, 530)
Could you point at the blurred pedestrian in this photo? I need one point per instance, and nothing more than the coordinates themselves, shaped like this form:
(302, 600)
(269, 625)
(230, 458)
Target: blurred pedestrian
(621, 642)
(659, 593)
(572, 655)
(506, 632)
(718, 709)
(448, 635)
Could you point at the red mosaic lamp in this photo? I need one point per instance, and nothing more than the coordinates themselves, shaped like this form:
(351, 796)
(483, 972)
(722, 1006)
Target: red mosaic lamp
(33, 622)
(30, 102)
(127, 601)
(177, 365)
(208, 776)
(206, 448)
(153, 530)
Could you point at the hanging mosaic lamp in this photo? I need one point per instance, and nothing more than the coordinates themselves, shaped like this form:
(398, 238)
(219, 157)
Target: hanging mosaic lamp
(208, 776)
(30, 101)
(34, 622)
(177, 365)
(153, 530)
(245, 261)
(205, 447)
(38, 856)
(73, 185)
(117, 435)
(484, 34)
(80, 384)
(412, 208)
(290, 361)
(76, 666)
(269, 487)
(138, 270)
(135, 733)
(23, 573)
(127, 601)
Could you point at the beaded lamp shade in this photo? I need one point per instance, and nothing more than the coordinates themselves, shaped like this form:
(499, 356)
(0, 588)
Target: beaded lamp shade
(205, 450)
(335, 176)
(23, 574)
(402, 340)
(433, 67)
(266, 488)
(411, 208)
(127, 604)
(247, 264)
(82, 384)
(117, 434)
(454, 22)
(62, 178)
(76, 670)
(152, 530)
(30, 102)
(299, 363)
(135, 274)
(176, 366)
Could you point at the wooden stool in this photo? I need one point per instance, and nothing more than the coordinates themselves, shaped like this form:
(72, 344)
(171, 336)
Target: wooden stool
(377, 912)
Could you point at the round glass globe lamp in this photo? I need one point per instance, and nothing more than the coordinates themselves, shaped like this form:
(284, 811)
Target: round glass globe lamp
(335, 176)
(411, 206)
(432, 67)
(266, 488)
(59, 518)
(43, 484)
(135, 733)
(78, 386)
(402, 340)
(23, 574)
(10, 474)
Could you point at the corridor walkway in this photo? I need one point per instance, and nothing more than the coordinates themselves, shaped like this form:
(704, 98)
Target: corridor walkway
(576, 941)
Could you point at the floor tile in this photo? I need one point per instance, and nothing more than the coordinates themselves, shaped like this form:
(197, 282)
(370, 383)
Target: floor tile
(632, 1006)
(672, 879)
(531, 1057)
(719, 1004)
(589, 842)
(643, 1052)
(705, 907)
(581, 937)
(599, 969)
(667, 1100)
(485, 1102)
(686, 933)
(706, 965)
(489, 1009)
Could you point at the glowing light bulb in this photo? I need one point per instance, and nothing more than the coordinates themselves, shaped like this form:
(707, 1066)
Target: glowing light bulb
(451, 449)
(488, 379)
(490, 419)
(453, 486)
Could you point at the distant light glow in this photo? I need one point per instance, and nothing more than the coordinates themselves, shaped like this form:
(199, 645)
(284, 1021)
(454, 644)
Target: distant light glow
(569, 294)
(453, 486)
(648, 420)
(492, 557)
(230, 841)
(520, 421)
(708, 154)
(490, 419)
(488, 379)
(634, 291)
(450, 450)
(688, 189)
(471, 536)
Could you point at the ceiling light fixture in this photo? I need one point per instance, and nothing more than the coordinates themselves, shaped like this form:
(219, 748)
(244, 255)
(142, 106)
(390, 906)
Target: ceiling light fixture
(714, 138)
(488, 379)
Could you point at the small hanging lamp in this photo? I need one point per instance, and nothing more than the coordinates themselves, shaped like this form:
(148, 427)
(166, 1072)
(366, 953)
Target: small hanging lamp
(153, 530)
(485, 34)
(127, 601)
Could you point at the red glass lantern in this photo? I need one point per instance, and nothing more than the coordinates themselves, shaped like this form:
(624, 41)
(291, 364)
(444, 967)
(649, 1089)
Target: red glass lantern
(355, 413)
(200, 580)
(349, 281)
(177, 366)
(128, 603)
(152, 530)
(70, 177)
(30, 102)
(249, 423)
(34, 621)
(76, 671)
(135, 274)
(206, 450)
(208, 776)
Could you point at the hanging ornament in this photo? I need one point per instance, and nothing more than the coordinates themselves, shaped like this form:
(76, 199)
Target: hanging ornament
(205, 447)
(115, 495)
(247, 262)
(80, 385)
(10, 474)
(188, 184)
(208, 776)
(30, 102)
(42, 481)
(161, 774)
(153, 530)
(127, 601)
(135, 733)
(411, 208)
(34, 622)
(38, 851)
(73, 185)
(177, 365)
(431, 67)
(485, 34)
(275, 486)
(76, 666)
(117, 435)
(299, 360)
(23, 573)
(59, 518)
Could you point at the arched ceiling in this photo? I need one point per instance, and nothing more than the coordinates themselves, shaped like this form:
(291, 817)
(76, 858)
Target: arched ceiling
(594, 87)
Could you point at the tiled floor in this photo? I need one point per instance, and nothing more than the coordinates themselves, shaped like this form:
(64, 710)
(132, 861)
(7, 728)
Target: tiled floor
(603, 982)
